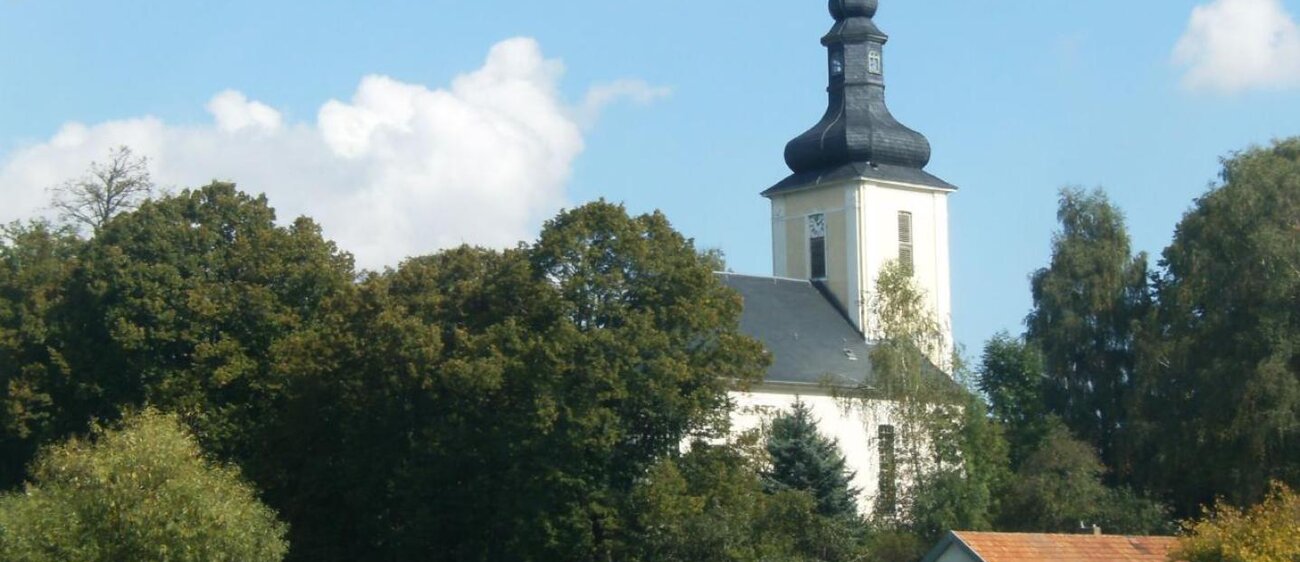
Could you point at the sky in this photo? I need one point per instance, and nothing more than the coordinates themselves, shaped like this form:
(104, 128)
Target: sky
(404, 127)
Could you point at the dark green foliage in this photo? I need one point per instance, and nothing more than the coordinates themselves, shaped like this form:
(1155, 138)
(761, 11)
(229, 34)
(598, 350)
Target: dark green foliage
(963, 492)
(948, 447)
(803, 459)
(485, 405)
(709, 505)
(141, 492)
(469, 405)
(894, 545)
(183, 305)
(35, 384)
(1011, 376)
(1088, 305)
(1059, 487)
(1220, 398)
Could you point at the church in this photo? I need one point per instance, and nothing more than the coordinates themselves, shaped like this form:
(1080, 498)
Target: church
(857, 198)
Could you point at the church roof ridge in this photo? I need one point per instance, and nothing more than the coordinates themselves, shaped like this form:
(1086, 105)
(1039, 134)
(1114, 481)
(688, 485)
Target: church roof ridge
(770, 277)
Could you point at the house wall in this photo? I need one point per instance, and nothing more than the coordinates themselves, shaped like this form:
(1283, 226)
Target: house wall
(955, 553)
(853, 426)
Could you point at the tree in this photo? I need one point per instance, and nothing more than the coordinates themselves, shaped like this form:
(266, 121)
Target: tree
(182, 305)
(709, 505)
(1059, 487)
(1088, 305)
(106, 190)
(803, 459)
(951, 458)
(965, 490)
(1268, 532)
(543, 381)
(1224, 368)
(1011, 376)
(142, 491)
(36, 260)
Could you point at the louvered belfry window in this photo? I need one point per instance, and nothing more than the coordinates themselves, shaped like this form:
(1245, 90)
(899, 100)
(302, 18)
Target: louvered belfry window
(817, 246)
(906, 254)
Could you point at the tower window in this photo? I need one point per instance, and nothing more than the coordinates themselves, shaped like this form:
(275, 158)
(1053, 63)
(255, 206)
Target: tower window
(887, 497)
(837, 63)
(874, 64)
(906, 257)
(817, 246)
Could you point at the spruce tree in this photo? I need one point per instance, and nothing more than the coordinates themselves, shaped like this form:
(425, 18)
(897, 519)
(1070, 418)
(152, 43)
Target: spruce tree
(803, 459)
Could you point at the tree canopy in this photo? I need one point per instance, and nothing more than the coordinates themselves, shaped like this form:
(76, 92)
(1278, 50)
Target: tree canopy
(542, 381)
(1224, 365)
(533, 403)
(1088, 305)
(140, 491)
(1267, 532)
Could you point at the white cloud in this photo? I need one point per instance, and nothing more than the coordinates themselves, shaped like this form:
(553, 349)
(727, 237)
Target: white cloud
(599, 97)
(1235, 45)
(234, 113)
(398, 170)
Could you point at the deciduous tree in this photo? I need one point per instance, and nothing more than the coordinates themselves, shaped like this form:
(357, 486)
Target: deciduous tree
(1088, 305)
(1221, 389)
(1268, 532)
(143, 491)
(1011, 376)
(36, 260)
(105, 191)
(951, 457)
(488, 405)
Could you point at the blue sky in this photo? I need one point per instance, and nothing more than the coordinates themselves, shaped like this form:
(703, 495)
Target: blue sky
(1018, 98)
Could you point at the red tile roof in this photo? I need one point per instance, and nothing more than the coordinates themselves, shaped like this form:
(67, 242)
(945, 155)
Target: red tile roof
(1024, 547)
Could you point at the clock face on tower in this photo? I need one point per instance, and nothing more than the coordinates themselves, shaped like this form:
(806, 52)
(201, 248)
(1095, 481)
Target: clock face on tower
(816, 226)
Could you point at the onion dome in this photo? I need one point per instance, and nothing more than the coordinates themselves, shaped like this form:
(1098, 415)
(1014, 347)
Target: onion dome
(841, 9)
(857, 137)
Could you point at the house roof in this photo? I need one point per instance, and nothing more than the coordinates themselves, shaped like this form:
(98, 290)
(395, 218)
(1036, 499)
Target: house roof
(1027, 547)
(810, 339)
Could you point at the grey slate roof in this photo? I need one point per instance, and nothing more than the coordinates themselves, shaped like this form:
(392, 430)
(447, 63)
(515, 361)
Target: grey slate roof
(858, 170)
(857, 137)
(810, 340)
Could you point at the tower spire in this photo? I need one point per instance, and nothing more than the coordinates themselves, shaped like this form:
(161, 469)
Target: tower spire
(857, 137)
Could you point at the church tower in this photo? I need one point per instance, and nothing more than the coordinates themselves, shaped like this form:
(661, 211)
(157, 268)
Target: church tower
(859, 196)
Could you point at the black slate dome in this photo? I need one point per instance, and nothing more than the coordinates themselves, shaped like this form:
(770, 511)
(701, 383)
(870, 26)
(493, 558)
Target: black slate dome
(841, 9)
(857, 136)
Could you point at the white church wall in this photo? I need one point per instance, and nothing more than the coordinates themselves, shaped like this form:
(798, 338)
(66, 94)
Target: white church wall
(854, 426)
(862, 235)
(881, 204)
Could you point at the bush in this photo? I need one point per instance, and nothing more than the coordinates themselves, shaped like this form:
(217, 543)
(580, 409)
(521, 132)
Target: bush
(141, 492)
